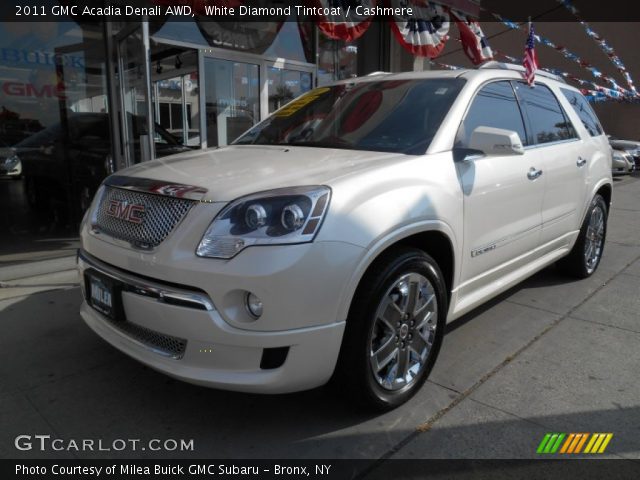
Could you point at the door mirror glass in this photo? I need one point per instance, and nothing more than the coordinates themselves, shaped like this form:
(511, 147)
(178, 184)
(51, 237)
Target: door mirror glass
(496, 141)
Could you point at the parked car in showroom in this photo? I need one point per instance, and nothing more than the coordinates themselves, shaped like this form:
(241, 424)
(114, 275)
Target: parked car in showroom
(622, 163)
(63, 165)
(10, 165)
(336, 238)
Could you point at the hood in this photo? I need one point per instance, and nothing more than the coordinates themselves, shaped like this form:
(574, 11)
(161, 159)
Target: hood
(231, 172)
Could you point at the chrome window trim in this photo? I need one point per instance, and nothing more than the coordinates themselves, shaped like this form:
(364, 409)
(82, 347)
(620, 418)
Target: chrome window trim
(550, 144)
(147, 288)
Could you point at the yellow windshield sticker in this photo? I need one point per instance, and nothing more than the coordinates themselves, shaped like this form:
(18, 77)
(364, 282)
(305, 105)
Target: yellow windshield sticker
(296, 105)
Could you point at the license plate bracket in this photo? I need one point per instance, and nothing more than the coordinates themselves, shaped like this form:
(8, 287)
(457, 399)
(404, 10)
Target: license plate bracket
(104, 294)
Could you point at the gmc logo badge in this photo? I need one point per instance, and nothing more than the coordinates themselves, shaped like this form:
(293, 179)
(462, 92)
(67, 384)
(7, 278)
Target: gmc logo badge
(125, 211)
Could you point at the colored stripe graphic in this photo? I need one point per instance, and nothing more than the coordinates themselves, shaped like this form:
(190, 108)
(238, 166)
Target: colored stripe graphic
(551, 442)
(572, 443)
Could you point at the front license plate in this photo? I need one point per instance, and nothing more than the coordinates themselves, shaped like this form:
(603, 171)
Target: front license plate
(103, 295)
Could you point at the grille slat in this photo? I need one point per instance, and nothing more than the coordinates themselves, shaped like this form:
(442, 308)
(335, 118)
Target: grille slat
(161, 215)
(164, 344)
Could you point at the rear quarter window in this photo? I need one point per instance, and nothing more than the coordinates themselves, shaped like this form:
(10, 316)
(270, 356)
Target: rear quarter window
(584, 111)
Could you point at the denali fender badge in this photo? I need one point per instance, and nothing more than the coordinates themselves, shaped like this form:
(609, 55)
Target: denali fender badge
(480, 251)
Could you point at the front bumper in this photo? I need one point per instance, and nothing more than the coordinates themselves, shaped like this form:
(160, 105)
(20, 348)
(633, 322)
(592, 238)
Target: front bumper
(178, 331)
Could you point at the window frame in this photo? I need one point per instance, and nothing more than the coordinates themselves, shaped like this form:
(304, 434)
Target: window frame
(532, 140)
(565, 91)
(526, 141)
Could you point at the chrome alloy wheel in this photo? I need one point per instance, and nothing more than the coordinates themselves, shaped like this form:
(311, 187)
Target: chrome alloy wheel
(594, 239)
(403, 331)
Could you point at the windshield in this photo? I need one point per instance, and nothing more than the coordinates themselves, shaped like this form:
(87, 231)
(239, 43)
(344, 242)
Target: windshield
(387, 115)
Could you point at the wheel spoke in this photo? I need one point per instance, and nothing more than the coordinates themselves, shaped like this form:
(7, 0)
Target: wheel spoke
(384, 354)
(391, 314)
(425, 320)
(412, 298)
(403, 363)
(422, 307)
(420, 341)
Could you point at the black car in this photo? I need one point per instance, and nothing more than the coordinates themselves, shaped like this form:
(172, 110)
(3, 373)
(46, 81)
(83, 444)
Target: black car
(63, 165)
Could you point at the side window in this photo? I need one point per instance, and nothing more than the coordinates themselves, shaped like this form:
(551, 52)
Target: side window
(495, 105)
(546, 117)
(584, 111)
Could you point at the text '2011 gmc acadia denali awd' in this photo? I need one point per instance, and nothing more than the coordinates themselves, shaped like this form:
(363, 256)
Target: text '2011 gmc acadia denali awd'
(338, 236)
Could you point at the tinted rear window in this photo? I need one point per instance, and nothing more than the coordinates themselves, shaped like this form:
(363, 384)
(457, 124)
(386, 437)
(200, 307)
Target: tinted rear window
(584, 111)
(546, 117)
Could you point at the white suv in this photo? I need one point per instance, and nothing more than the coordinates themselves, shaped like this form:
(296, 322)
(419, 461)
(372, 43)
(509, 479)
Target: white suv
(337, 237)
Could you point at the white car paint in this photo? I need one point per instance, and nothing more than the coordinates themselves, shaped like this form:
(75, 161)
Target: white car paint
(501, 225)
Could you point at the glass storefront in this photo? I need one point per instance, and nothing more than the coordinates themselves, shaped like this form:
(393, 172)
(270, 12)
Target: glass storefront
(232, 99)
(81, 101)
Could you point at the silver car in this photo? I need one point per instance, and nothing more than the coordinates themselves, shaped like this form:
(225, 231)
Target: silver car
(622, 163)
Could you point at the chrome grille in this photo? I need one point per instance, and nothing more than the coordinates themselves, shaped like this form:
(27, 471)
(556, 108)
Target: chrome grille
(161, 215)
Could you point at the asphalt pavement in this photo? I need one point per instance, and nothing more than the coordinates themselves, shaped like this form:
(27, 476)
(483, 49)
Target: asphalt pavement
(551, 355)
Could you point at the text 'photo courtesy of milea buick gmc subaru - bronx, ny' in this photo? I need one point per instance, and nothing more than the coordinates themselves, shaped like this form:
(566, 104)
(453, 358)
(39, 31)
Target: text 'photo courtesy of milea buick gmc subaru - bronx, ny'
(334, 240)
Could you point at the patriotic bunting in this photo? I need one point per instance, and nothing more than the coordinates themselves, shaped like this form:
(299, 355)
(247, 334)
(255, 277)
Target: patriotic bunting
(604, 46)
(425, 33)
(568, 55)
(474, 43)
(341, 27)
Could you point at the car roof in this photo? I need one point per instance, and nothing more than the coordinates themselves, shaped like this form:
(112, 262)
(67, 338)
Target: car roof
(485, 72)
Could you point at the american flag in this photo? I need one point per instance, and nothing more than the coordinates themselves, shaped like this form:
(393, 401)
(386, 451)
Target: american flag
(530, 61)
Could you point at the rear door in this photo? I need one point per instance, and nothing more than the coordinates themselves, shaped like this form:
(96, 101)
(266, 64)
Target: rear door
(563, 158)
(502, 197)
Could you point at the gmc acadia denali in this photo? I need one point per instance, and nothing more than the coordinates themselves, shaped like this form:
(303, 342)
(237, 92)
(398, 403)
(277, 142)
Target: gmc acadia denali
(336, 238)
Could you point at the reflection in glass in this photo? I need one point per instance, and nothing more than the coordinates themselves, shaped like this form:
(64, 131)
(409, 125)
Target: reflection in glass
(232, 99)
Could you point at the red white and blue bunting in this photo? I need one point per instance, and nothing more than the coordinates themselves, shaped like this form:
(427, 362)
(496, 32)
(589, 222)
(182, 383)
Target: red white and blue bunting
(341, 27)
(569, 56)
(602, 43)
(474, 43)
(424, 33)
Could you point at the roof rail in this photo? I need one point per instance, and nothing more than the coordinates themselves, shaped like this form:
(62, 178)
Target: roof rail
(377, 73)
(519, 68)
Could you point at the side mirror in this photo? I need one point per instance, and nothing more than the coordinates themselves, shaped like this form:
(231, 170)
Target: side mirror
(496, 141)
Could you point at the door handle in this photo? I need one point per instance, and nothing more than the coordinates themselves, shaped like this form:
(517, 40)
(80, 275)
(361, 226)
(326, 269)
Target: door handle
(534, 173)
(581, 162)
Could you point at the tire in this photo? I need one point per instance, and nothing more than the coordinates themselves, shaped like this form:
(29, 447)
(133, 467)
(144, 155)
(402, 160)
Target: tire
(585, 256)
(400, 278)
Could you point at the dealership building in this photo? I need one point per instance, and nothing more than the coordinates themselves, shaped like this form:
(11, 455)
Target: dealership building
(82, 99)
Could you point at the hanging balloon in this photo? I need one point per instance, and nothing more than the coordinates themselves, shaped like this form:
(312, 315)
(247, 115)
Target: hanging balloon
(341, 26)
(424, 33)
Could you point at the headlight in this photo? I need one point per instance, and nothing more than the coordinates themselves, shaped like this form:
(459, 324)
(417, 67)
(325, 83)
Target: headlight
(275, 217)
(617, 156)
(11, 162)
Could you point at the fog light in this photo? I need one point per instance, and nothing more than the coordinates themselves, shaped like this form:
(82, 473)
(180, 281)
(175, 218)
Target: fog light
(254, 305)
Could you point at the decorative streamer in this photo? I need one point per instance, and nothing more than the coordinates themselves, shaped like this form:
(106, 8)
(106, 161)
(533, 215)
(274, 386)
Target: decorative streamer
(602, 43)
(568, 55)
(610, 93)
